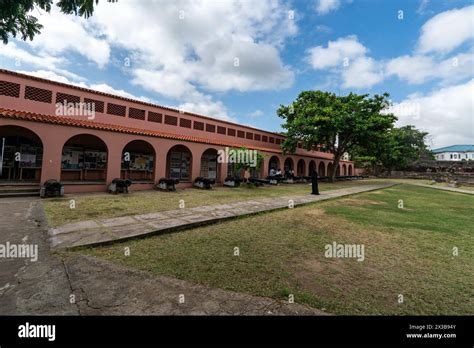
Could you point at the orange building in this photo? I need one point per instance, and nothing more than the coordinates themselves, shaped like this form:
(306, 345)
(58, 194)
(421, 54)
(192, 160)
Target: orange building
(41, 140)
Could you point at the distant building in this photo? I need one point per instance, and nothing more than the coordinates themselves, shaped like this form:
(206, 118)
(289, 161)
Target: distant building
(455, 153)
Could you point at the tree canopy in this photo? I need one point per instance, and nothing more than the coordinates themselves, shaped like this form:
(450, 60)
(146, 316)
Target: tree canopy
(16, 18)
(339, 124)
(398, 148)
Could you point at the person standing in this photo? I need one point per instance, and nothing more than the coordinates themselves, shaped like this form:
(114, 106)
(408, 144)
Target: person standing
(314, 183)
(246, 174)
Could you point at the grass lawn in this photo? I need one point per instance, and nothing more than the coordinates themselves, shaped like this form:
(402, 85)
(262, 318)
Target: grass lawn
(92, 206)
(407, 251)
(428, 182)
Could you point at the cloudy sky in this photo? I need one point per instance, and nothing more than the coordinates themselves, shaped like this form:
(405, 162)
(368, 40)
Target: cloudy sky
(239, 60)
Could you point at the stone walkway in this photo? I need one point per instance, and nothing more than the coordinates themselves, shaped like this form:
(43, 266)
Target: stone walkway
(445, 188)
(71, 284)
(29, 286)
(107, 230)
(104, 288)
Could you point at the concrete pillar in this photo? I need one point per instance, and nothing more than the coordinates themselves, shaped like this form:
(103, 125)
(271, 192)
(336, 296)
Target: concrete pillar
(160, 164)
(52, 151)
(196, 165)
(114, 162)
(265, 165)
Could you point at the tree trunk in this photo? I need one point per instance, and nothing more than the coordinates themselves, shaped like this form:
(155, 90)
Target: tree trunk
(335, 165)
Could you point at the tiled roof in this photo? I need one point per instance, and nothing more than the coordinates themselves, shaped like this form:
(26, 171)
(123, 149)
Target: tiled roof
(455, 148)
(72, 122)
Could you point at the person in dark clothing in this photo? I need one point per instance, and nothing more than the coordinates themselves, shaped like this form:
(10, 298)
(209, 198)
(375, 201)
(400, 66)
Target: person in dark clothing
(314, 183)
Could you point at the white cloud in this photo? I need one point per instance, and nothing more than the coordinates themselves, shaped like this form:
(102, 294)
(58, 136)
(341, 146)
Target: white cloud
(170, 84)
(43, 61)
(414, 69)
(447, 30)
(238, 67)
(105, 88)
(184, 48)
(447, 114)
(326, 6)
(21, 56)
(256, 114)
(347, 59)
(420, 69)
(51, 75)
(363, 72)
(336, 51)
(62, 33)
(180, 49)
(205, 105)
(456, 68)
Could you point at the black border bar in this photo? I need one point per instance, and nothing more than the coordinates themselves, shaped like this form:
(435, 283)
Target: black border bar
(195, 330)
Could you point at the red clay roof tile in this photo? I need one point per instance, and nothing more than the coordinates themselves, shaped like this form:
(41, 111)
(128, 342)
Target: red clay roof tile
(66, 121)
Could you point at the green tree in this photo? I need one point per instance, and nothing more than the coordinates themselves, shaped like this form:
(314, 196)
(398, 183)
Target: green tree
(337, 124)
(16, 18)
(397, 148)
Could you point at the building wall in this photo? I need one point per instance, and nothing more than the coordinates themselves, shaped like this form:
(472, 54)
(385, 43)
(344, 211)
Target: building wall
(116, 142)
(454, 156)
(53, 136)
(211, 126)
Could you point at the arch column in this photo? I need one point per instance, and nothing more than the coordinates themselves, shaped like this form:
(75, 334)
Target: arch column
(161, 152)
(160, 166)
(195, 167)
(52, 152)
(114, 162)
(265, 165)
(223, 172)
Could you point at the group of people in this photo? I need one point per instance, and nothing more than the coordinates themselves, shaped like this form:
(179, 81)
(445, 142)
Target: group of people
(289, 173)
(275, 172)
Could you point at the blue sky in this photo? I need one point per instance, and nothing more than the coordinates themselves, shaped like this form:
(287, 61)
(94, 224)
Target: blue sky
(183, 54)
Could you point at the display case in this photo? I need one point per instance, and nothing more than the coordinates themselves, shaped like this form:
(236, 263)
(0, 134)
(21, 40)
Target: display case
(139, 168)
(80, 164)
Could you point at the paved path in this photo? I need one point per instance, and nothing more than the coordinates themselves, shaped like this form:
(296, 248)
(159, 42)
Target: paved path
(106, 230)
(445, 188)
(103, 288)
(47, 285)
(28, 286)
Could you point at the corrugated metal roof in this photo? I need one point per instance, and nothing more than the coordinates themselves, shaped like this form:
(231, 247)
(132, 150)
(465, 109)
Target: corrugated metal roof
(455, 148)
